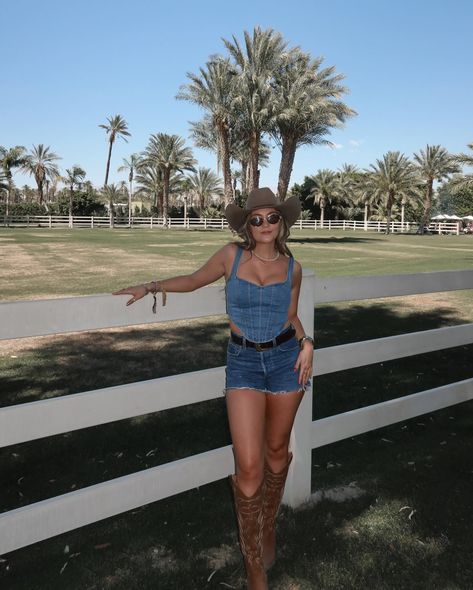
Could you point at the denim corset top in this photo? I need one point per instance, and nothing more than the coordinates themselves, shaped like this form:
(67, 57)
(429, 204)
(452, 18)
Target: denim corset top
(260, 312)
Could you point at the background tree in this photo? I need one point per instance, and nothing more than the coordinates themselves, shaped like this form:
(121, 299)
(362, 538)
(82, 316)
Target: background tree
(256, 64)
(455, 200)
(306, 107)
(116, 127)
(112, 194)
(465, 180)
(392, 178)
(10, 159)
(130, 165)
(324, 190)
(149, 181)
(73, 177)
(205, 184)
(214, 91)
(433, 163)
(169, 154)
(41, 164)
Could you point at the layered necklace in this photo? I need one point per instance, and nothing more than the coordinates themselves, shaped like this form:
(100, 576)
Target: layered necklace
(266, 259)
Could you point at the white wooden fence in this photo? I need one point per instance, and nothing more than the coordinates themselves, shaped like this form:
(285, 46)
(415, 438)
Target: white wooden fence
(30, 421)
(214, 223)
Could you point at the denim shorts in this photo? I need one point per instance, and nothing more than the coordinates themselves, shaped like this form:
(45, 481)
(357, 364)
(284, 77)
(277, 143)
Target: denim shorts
(270, 370)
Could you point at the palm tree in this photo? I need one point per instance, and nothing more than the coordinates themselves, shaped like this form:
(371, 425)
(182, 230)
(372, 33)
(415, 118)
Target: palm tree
(393, 177)
(347, 181)
(307, 107)
(435, 163)
(116, 127)
(112, 193)
(168, 153)
(74, 176)
(149, 180)
(325, 190)
(131, 165)
(214, 91)
(9, 159)
(256, 64)
(465, 180)
(205, 184)
(40, 163)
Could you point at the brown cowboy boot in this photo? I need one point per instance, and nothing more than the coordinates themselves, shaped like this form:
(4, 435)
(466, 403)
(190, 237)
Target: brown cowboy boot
(249, 511)
(273, 493)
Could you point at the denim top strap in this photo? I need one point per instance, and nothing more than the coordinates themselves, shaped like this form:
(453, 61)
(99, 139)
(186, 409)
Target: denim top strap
(260, 312)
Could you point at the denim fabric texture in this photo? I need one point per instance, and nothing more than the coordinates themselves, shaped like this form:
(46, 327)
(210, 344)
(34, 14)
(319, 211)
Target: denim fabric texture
(260, 312)
(270, 370)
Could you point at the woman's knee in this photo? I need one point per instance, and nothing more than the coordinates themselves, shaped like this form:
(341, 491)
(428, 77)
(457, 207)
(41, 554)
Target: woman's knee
(277, 450)
(250, 468)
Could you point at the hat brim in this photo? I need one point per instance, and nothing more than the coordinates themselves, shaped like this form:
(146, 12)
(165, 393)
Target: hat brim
(290, 210)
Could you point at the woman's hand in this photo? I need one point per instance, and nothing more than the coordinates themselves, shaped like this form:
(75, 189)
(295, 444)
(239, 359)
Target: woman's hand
(304, 362)
(137, 292)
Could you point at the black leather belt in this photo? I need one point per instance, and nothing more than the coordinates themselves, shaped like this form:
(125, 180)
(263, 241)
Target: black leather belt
(283, 337)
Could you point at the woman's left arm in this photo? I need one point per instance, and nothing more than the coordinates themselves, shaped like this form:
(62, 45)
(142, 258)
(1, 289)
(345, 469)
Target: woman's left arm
(304, 360)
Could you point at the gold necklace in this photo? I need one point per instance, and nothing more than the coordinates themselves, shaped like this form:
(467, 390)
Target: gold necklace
(267, 259)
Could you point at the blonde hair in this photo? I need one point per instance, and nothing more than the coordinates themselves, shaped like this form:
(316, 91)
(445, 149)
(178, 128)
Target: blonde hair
(249, 243)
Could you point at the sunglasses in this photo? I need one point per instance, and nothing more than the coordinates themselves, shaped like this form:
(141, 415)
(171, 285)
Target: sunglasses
(258, 220)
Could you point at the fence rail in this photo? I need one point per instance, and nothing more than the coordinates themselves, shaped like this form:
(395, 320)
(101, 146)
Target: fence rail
(79, 221)
(30, 421)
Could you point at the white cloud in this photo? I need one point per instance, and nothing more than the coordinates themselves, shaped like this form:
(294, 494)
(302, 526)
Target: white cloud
(335, 146)
(356, 142)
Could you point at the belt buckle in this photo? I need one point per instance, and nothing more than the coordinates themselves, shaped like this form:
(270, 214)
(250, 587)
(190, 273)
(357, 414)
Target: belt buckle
(258, 347)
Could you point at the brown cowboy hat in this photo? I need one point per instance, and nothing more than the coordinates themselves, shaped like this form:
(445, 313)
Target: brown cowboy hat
(258, 199)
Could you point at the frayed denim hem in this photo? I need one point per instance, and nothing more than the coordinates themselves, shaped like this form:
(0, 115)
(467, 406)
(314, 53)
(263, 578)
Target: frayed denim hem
(300, 390)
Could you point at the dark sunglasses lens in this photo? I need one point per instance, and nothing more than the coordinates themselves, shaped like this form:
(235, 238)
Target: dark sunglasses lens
(256, 221)
(273, 218)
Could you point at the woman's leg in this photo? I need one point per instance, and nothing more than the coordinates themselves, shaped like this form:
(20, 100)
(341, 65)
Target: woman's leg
(280, 413)
(246, 410)
(281, 410)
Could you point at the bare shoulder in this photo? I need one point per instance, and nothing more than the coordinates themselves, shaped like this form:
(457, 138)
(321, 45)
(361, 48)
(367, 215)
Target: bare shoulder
(296, 273)
(227, 254)
(297, 267)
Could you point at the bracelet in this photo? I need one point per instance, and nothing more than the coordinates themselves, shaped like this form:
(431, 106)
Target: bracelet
(303, 339)
(158, 287)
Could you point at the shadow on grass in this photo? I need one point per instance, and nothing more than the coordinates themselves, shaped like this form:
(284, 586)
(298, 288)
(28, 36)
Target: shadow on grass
(334, 239)
(181, 542)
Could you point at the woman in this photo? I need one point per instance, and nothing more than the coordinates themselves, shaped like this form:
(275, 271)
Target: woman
(269, 362)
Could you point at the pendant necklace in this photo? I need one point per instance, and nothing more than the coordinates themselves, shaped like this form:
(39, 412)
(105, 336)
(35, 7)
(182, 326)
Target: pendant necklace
(267, 259)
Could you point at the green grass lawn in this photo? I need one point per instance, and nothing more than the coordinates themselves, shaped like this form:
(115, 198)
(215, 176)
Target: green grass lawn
(409, 522)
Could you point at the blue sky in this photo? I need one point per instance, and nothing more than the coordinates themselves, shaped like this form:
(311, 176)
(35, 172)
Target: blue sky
(67, 66)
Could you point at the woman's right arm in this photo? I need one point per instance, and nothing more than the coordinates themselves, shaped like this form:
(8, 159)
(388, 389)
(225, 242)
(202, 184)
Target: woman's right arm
(210, 272)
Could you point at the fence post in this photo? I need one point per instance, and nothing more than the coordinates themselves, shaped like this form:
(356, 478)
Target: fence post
(298, 485)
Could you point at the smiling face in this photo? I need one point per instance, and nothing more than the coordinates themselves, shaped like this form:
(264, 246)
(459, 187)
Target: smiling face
(266, 232)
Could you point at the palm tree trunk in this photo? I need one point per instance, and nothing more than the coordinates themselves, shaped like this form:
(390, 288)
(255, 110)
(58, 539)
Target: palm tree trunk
(9, 191)
(166, 177)
(254, 160)
(322, 208)
(389, 206)
(71, 190)
(130, 195)
(107, 170)
(227, 173)
(427, 204)
(111, 213)
(288, 153)
(39, 184)
(201, 204)
(244, 178)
